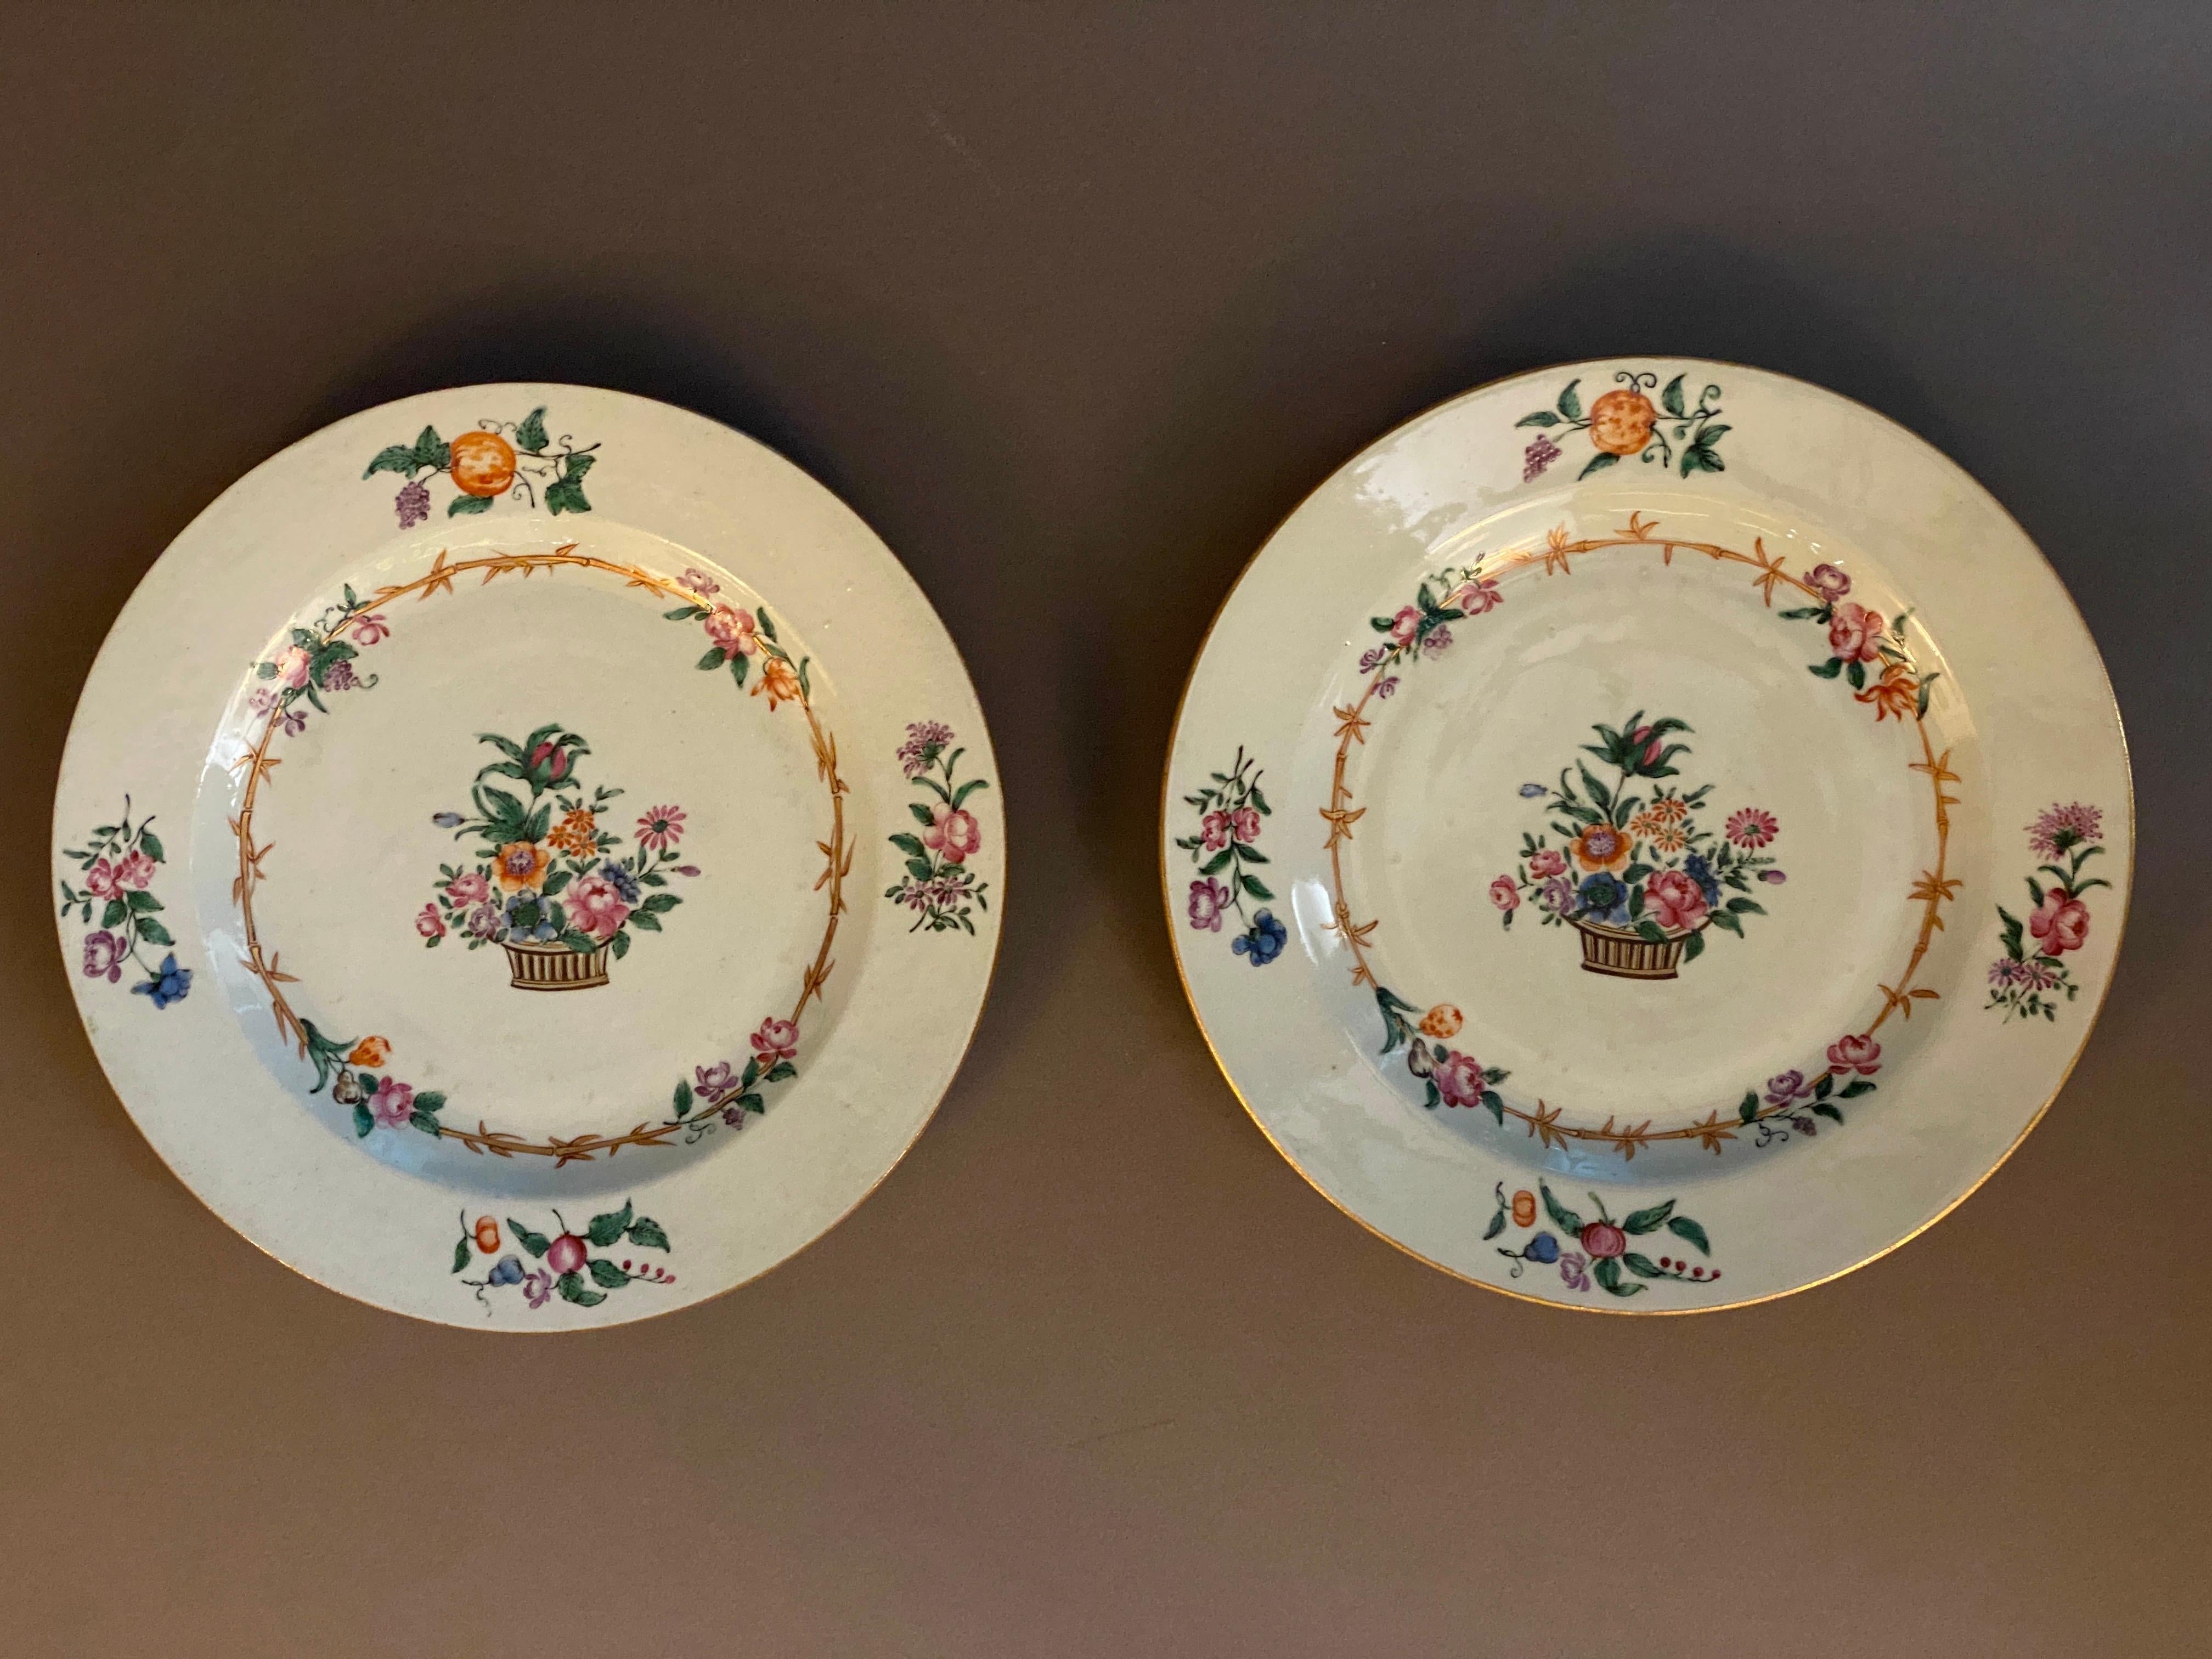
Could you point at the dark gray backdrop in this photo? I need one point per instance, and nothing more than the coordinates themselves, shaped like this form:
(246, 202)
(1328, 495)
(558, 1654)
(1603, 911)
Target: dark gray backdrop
(1073, 304)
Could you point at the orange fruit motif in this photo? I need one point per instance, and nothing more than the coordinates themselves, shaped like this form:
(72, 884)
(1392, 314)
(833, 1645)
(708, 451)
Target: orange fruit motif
(1525, 1208)
(1620, 421)
(370, 1051)
(482, 463)
(486, 1232)
(1442, 1021)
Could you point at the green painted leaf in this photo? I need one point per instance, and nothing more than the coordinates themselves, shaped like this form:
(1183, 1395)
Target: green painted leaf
(1496, 1103)
(431, 450)
(621, 944)
(362, 1123)
(143, 901)
(767, 626)
(1645, 1221)
(607, 1228)
(918, 869)
(1823, 1109)
(921, 814)
(1257, 889)
(1722, 919)
(430, 1100)
(646, 1234)
(1497, 1222)
(1598, 463)
(682, 1098)
(1828, 669)
(1561, 1216)
(1642, 1266)
(150, 845)
(909, 844)
(579, 465)
(562, 496)
(1570, 404)
(1682, 1227)
(781, 1071)
(392, 458)
(661, 903)
(424, 1121)
(1609, 1275)
(1744, 907)
(646, 919)
(1671, 398)
(606, 1274)
(1217, 863)
(531, 434)
(579, 941)
(461, 1253)
(1694, 947)
(1854, 671)
(462, 507)
(737, 667)
(1651, 930)
(111, 916)
(713, 659)
(152, 933)
(572, 1285)
(1855, 1088)
(1541, 417)
(535, 1244)
(1749, 1110)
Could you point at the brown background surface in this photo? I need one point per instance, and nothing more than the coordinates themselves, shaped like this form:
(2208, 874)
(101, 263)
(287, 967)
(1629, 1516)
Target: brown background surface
(1073, 304)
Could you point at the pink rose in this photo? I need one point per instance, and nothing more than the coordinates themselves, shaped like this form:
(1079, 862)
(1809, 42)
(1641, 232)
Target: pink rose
(292, 667)
(699, 582)
(734, 630)
(1405, 625)
(2060, 923)
(952, 832)
(1674, 901)
(470, 889)
(1604, 1240)
(1505, 895)
(136, 871)
(553, 753)
(99, 880)
(1244, 824)
(1547, 861)
(1478, 596)
(776, 1039)
(595, 905)
(1208, 899)
(1861, 1055)
(428, 923)
(1458, 1078)
(103, 957)
(1855, 633)
(368, 629)
(1830, 583)
(1215, 828)
(393, 1103)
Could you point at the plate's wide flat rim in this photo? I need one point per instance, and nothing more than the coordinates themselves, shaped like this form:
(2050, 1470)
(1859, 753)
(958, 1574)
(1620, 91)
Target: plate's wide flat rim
(926, 612)
(1618, 1307)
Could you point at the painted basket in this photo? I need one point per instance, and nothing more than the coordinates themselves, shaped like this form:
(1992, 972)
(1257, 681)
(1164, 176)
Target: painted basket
(555, 967)
(1626, 954)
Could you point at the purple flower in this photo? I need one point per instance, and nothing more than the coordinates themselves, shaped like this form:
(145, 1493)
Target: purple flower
(1804, 1125)
(340, 676)
(486, 920)
(925, 741)
(1574, 1268)
(1370, 659)
(699, 582)
(687, 869)
(2059, 829)
(2005, 971)
(1557, 896)
(2037, 976)
(715, 1079)
(734, 1116)
(1788, 1086)
(1538, 456)
(537, 1287)
(1208, 899)
(1385, 686)
(293, 720)
(1438, 640)
(261, 702)
(1775, 877)
(413, 503)
(103, 957)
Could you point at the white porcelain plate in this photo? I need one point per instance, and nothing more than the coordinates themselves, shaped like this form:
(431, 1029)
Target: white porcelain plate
(1647, 835)
(529, 856)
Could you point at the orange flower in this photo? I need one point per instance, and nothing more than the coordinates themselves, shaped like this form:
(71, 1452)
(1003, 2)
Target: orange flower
(1442, 1021)
(486, 1234)
(1895, 693)
(1620, 421)
(521, 864)
(482, 463)
(1668, 809)
(575, 836)
(1601, 846)
(1525, 1208)
(370, 1051)
(1644, 824)
(780, 680)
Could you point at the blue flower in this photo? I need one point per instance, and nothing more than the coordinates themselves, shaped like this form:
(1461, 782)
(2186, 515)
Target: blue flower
(1605, 898)
(1542, 1247)
(625, 883)
(1701, 872)
(446, 820)
(169, 985)
(527, 921)
(1264, 942)
(1530, 790)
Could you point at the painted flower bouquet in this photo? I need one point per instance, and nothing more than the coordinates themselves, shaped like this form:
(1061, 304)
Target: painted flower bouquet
(117, 865)
(937, 886)
(557, 893)
(1639, 877)
(2032, 976)
(1230, 809)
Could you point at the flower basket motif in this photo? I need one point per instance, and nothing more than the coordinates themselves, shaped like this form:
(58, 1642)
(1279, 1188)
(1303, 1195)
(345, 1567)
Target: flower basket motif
(1639, 877)
(557, 893)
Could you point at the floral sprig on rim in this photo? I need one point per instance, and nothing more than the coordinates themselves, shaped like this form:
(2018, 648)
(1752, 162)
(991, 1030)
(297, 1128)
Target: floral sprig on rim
(938, 885)
(724, 1094)
(1423, 629)
(1601, 1249)
(116, 866)
(1622, 422)
(1792, 1100)
(536, 882)
(315, 661)
(512, 458)
(736, 637)
(569, 1268)
(1228, 809)
(1644, 865)
(2030, 977)
(1862, 641)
